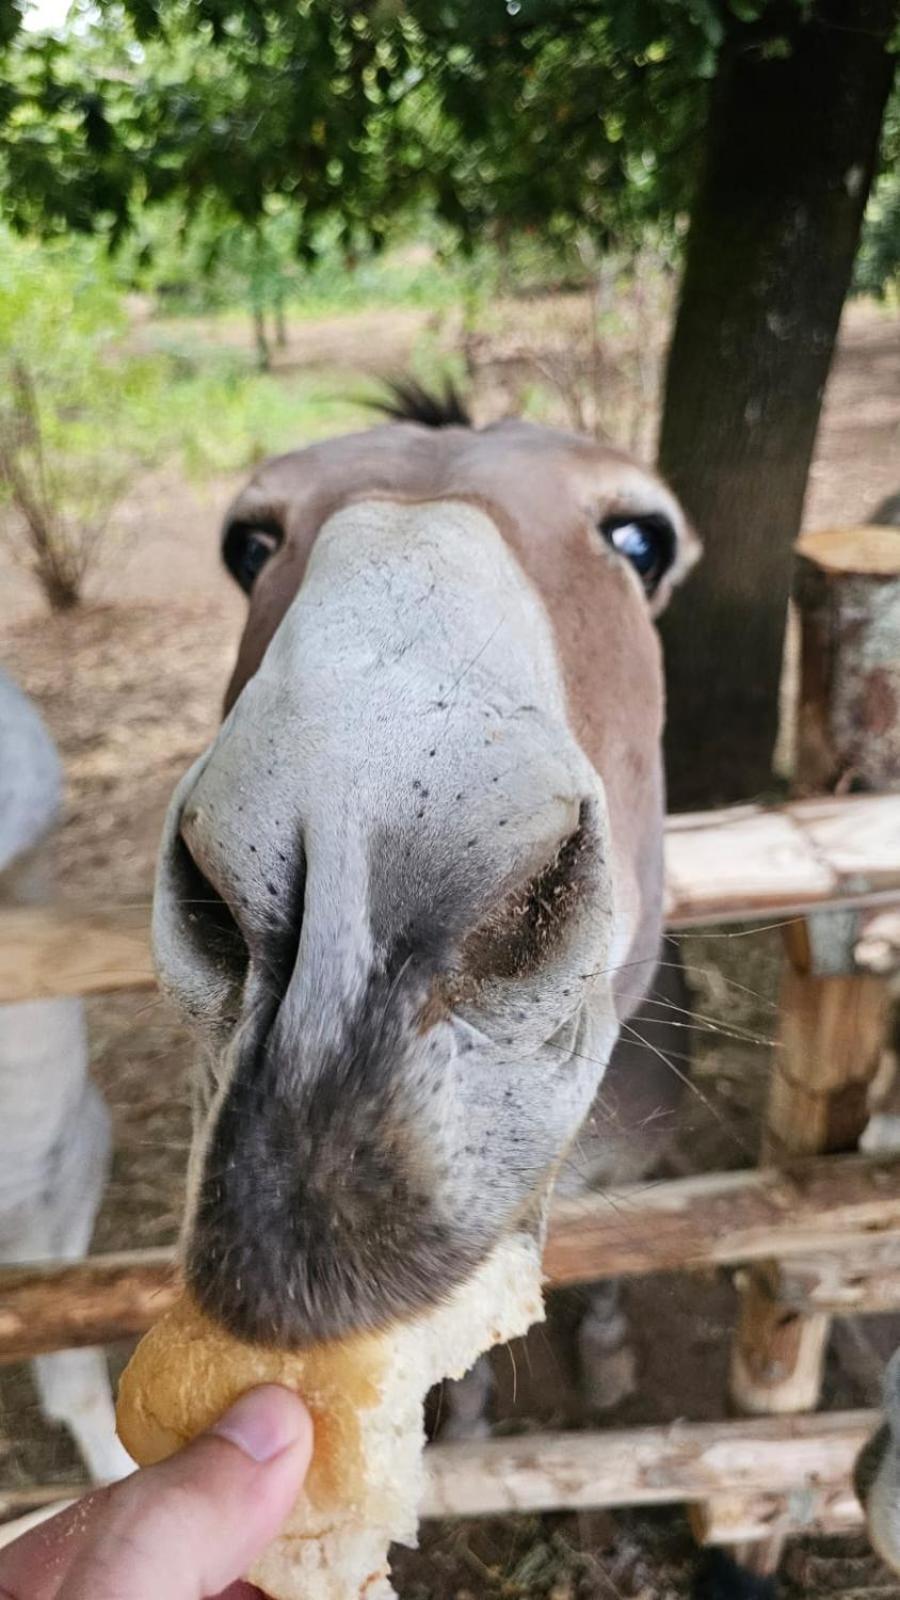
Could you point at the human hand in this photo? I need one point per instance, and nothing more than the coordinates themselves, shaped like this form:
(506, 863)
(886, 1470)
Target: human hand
(185, 1529)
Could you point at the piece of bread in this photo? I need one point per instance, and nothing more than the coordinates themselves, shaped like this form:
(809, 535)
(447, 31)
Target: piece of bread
(366, 1396)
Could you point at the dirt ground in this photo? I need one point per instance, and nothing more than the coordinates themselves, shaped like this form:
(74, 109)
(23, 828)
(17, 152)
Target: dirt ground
(131, 687)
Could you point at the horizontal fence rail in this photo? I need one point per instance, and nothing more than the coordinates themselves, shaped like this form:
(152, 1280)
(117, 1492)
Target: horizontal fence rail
(725, 1219)
(749, 1462)
(643, 1466)
(55, 950)
(843, 1205)
(740, 864)
(747, 862)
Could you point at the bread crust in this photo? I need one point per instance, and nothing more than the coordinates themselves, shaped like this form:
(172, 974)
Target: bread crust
(365, 1394)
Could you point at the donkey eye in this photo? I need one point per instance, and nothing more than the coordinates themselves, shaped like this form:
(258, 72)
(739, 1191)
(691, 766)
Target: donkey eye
(247, 547)
(256, 551)
(648, 542)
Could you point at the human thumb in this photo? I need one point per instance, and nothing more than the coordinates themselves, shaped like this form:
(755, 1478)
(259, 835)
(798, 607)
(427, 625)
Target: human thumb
(192, 1525)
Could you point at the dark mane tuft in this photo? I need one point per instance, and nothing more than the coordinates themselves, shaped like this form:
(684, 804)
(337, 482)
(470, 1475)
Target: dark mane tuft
(409, 401)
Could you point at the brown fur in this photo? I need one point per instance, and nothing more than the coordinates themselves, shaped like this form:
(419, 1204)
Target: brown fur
(353, 1168)
(546, 491)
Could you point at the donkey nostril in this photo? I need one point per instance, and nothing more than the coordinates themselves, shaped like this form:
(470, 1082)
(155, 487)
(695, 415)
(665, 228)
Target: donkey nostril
(243, 927)
(207, 916)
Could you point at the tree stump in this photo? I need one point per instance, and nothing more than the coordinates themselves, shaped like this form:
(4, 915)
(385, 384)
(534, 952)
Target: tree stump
(847, 596)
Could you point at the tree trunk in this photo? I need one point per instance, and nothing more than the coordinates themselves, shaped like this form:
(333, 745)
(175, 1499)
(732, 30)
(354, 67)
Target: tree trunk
(281, 333)
(791, 144)
(263, 350)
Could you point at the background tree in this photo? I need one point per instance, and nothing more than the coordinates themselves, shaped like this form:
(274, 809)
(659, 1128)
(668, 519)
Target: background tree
(765, 119)
(791, 146)
(760, 117)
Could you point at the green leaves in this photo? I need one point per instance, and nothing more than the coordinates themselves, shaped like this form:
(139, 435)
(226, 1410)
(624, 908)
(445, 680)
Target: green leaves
(561, 115)
(878, 262)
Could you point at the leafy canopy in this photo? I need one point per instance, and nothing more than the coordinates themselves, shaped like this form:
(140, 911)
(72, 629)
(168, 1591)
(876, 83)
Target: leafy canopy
(330, 118)
(506, 114)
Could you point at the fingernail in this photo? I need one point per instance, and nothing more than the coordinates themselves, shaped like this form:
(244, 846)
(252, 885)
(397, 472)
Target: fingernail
(264, 1422)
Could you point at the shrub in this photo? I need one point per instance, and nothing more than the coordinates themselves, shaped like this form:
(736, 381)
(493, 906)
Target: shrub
(63, 459)
(59, 541)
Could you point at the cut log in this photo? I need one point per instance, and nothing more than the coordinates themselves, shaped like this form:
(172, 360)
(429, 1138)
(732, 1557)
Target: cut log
(840, 1206)
(847, 597)
(685, 1461)
(831, 1032)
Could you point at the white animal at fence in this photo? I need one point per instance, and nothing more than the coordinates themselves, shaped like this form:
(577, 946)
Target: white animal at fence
(54, 1126)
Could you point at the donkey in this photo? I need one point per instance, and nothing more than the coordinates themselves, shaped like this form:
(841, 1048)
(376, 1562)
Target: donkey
(54, 1126)
(413, 889)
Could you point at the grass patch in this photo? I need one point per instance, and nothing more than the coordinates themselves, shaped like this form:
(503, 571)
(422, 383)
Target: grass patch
(220, 416)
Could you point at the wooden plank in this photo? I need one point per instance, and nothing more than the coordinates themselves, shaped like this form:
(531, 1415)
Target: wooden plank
(717, 1219)
(832, 1018)
(778, 1355)
(838, 1205)
(870, 549)
(62, 950)
(68, 1305)
(721, 866)
(643, 1466)
(742, 861)
(749, 861)
(684, 1461)
(857, 837)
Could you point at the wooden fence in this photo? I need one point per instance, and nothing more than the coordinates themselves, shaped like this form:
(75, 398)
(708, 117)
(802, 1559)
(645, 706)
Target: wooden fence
(812, 1237)
(812, 1233)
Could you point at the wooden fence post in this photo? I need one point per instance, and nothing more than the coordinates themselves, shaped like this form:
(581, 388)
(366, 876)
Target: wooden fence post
(830, 1035)
(833, 1017)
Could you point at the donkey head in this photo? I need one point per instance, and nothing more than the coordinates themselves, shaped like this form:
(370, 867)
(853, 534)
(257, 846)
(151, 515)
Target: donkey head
(411, 889)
